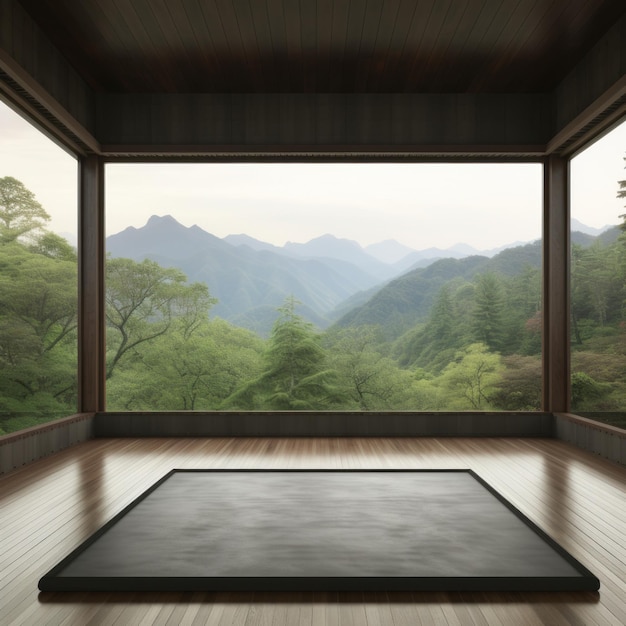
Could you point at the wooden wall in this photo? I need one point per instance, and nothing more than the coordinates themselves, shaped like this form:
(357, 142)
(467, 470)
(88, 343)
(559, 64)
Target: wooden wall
(322, 424)
(41, 77)
(23, 447)
(299, 122)
(601, 72)
(601, 439)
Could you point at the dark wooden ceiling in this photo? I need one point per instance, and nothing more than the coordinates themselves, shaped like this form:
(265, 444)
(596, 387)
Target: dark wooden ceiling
(342, 46)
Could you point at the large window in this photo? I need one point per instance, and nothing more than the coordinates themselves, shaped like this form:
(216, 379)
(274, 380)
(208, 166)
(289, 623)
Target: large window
(38, 286)
(323, 286)
(598, 296)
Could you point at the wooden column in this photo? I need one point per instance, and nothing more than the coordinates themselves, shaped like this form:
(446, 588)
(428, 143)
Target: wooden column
(556, 280)
(91, 317)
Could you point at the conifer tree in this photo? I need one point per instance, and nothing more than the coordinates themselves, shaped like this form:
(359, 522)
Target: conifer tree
(295, 376)
(489, 312)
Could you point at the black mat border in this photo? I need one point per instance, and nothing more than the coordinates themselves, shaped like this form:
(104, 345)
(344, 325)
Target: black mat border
(585, 582)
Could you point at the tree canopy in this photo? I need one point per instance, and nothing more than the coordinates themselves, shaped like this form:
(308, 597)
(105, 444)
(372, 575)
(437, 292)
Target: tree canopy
(470, 341)
(20, 212)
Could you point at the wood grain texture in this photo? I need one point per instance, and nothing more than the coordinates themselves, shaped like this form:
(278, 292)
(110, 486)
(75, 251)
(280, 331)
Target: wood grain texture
(334, 46)
(556, 286)
(603, 66)
(49, 507)
(322, 424)
(513, 73)
(31, 59)
(91, 259)
(339, 121)
(31, 444)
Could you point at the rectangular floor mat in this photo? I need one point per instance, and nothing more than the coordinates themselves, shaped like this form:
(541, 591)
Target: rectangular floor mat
(310, 530)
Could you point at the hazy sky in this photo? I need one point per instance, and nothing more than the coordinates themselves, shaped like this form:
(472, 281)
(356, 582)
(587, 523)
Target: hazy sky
(420, 205)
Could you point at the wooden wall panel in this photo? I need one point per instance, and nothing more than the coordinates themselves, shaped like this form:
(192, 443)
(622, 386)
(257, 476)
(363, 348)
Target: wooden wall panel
(322, 424)
(601, 439)
(136, 122)
(30, 59)
(601, 68)
(24, 447)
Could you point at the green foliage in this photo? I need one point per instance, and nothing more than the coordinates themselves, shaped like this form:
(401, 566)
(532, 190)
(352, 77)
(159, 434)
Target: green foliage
(471, 379)
(456, 335)
(366, 379)
(37, 295)
(20, 212)
(586, 390)
(37, 335)
(597, 284)
(295, 376)
(54, 247)
(38, 314)
(522, 313)
(520, 384)
(434, 344)
(488, 317)
(141, 301)
(408, 300)
(189, 368)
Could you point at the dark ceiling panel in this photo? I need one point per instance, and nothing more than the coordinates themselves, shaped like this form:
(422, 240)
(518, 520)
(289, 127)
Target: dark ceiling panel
(340, 46)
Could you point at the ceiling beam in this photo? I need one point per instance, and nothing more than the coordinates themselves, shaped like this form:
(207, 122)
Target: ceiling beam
(416, 125)
(36, 78)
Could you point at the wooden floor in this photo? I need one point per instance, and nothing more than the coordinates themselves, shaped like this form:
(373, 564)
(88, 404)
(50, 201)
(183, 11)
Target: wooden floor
(49, 507)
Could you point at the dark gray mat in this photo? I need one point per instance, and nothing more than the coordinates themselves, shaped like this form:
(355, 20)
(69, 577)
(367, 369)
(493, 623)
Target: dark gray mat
(320, 530)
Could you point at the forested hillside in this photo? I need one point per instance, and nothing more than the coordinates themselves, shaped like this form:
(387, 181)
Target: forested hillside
(250, 278)
(250, 281)
(460, 334)
(38, 282)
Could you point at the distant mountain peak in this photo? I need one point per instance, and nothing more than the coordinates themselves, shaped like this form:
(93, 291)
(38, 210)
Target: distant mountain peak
(242, 239)
(577, 225)
(388, 251)
(329, 237)
(462, 248)
(326, 239)
(162, 219)
(324, 245)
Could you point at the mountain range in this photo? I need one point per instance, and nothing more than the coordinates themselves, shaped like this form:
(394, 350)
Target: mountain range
(248, 279)
(404, 301)
(333, 278)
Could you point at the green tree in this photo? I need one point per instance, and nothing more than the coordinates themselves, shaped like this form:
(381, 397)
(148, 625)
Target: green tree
(188, 368)
(432, 345)
(470, 381)
(596, 284)
(38, 313)
(37, 293)
(522, 312)
(54, 247)
(366, 378)
(141, 301)
(586, 390)
(295, 376)
(37, 324)
(20, 212)
(520, 384)
(488, 320)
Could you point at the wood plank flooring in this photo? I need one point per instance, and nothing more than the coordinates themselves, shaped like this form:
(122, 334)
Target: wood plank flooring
(49, 507)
